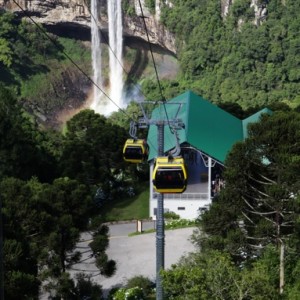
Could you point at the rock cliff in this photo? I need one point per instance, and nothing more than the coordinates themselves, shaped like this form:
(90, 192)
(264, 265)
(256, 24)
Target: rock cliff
(259, 7)
(74, 16)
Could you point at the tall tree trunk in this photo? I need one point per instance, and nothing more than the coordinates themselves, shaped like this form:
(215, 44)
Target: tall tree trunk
(280, 243)
(63, 252)
(281, 268)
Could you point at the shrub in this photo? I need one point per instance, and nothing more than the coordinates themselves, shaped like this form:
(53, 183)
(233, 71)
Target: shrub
(151, 5)
(141, 282)
(173, 224)
(171, 215)
(135, 293)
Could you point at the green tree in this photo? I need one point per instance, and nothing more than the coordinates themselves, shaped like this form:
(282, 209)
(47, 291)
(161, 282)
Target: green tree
(230, 59)
(80, 288)
(70, 210)
(213, 275)
(98, 246)
(260, 280)
(259, 205)
(86, 288)
(199, 276)
(42, 224)
(5, 53)
(22, 152)
(25, 228)
(128, 294)
(93, 147)
(6, 45)
(141, 282)
(119, 118)
(70, 206)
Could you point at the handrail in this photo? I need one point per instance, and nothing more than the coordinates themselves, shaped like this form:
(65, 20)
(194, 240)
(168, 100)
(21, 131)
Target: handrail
(184, 196)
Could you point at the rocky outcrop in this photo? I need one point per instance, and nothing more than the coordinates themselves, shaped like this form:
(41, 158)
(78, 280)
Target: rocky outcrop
(225, 6)
(260, 9)
(50, 11)
(74, 16)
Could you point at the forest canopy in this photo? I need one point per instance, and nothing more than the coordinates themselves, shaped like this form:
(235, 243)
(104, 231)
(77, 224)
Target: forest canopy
(232, 59)
(51, 184)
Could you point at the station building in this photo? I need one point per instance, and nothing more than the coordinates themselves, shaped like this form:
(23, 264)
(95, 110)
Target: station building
(206, 138)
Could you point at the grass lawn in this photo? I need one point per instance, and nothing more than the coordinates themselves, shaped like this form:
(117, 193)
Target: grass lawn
(135, 208)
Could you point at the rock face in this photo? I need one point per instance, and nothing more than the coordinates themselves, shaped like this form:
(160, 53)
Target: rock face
(74, 15)
(51, 11)
(260, 9)
(225, 6)
(73, 18)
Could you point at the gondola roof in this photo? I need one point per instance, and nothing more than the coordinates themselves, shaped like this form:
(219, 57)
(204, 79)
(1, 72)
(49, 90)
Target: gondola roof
(208, 128)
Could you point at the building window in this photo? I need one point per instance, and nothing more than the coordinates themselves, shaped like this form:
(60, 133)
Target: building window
(181, 208)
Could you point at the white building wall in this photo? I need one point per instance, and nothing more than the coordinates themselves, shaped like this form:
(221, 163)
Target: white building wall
(186, 209)
(198, 195)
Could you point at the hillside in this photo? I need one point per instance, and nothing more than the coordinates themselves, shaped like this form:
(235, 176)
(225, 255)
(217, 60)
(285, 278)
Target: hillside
(237, 57)
(245, 52)
(34, 67)
(57, 184)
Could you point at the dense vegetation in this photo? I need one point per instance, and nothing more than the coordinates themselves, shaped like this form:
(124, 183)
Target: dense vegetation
(51, 187)
(33, 66)
(231, 59)
(249, 238)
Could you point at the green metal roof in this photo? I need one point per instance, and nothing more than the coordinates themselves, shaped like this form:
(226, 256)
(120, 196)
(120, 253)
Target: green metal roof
(207, 127)
(252, 119)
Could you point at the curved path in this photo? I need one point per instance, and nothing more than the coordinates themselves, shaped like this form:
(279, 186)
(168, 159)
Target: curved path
(136, 255)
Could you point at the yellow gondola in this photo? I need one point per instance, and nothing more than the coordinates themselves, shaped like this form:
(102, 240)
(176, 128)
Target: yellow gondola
(135, 151)
(169, 175)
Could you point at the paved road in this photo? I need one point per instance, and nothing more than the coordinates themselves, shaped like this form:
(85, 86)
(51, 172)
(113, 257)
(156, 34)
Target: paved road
(136, 255)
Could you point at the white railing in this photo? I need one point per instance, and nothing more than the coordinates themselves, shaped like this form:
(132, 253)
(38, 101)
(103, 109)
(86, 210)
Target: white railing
(184, 196)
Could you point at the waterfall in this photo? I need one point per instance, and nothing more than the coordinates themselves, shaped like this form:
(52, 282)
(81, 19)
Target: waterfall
(96, 56)
(101, 104)
(114, 11)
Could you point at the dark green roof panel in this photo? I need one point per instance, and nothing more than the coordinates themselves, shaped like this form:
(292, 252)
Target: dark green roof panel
(211, 129)
(207, 127)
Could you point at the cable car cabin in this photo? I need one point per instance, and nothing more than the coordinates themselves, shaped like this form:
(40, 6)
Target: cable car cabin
(169, 175)
(135, 151)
